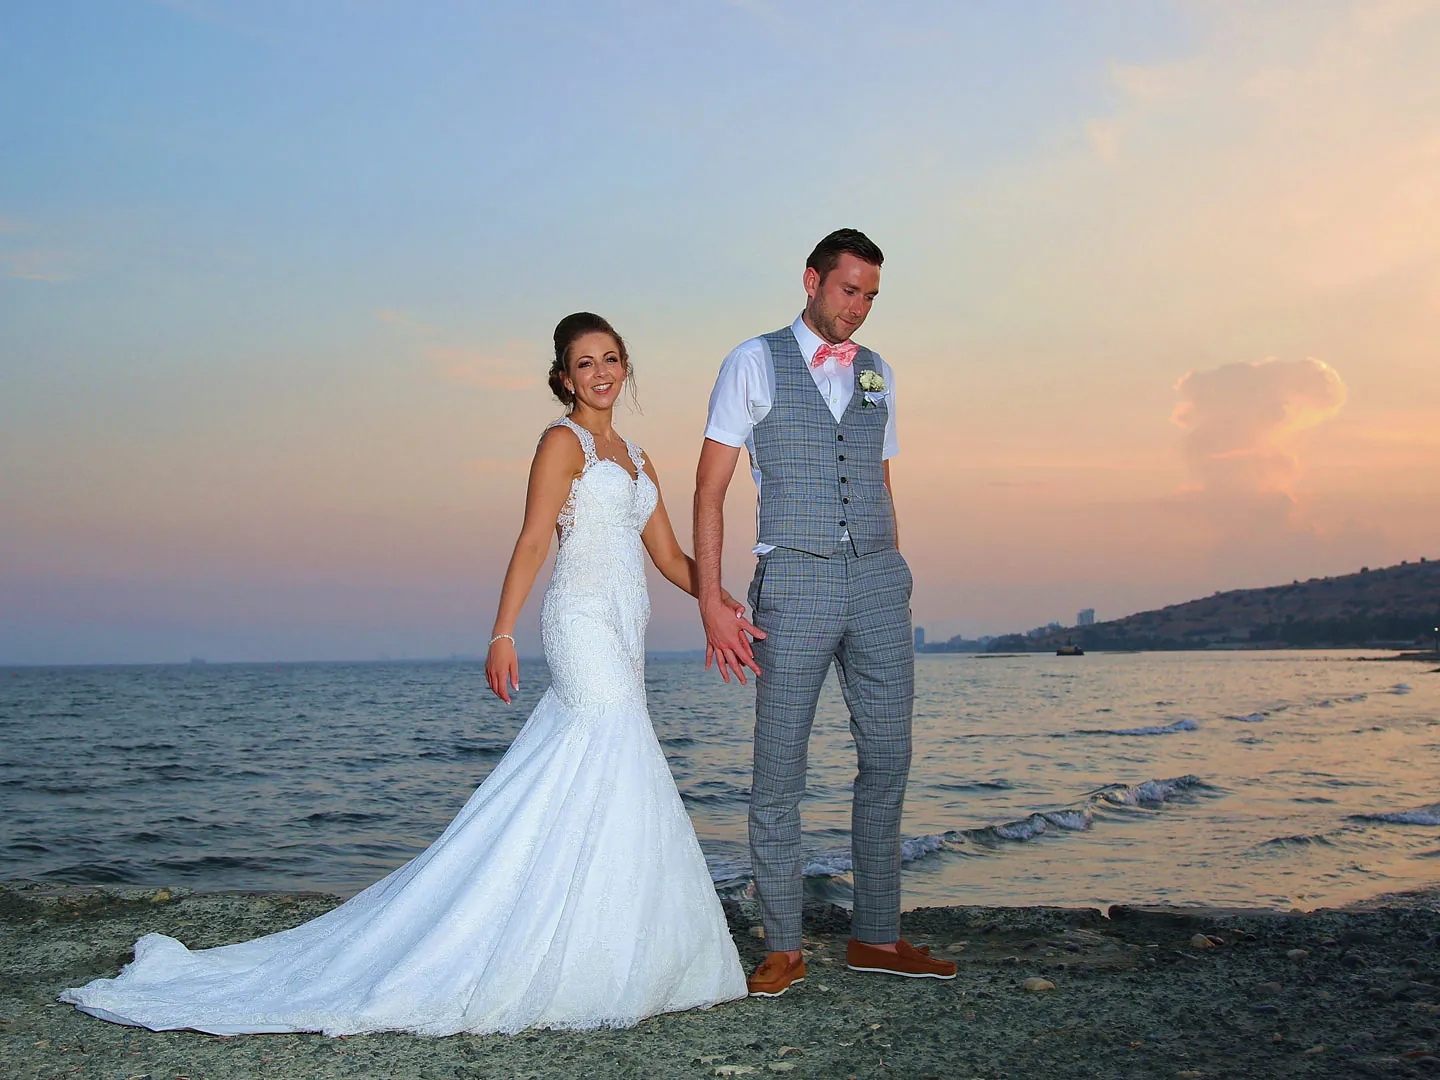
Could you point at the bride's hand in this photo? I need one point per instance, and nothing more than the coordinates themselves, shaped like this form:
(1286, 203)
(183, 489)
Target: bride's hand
(725, 642)
(734, 605)
(502, 668)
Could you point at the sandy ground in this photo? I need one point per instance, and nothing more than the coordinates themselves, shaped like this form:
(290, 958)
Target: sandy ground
(1141, 993)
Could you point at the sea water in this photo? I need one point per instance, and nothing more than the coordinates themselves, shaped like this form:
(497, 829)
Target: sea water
(1268, 779)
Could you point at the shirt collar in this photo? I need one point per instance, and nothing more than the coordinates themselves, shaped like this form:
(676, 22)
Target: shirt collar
(806, 338)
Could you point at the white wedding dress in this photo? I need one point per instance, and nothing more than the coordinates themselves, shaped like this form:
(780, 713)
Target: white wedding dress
(569, 892)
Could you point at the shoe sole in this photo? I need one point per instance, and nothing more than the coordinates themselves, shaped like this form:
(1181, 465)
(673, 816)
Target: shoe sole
(904, 974)
(776, 993)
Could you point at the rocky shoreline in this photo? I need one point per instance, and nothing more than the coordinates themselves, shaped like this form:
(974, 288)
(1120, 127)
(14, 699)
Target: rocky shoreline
(1042, 992)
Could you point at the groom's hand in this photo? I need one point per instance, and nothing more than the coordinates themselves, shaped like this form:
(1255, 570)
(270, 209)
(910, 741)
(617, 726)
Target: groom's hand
(725, 641)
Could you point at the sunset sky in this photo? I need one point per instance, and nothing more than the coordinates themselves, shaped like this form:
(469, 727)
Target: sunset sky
(277, 280)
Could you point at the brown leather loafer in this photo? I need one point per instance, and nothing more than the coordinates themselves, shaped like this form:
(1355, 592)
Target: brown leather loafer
(906, 960)
(776, 975)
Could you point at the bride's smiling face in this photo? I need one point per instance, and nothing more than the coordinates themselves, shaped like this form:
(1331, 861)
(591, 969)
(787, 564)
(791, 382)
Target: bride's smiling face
(596, 370)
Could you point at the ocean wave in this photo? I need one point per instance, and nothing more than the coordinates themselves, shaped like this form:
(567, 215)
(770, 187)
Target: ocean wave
(714, 793)
(339, 817)
(1249, 718)
(995, 784)
(463, 750)
(1151, 793)
(1399, 688)
(1150, 729)
(732, 877)
(1298, 840)
(1421, 815)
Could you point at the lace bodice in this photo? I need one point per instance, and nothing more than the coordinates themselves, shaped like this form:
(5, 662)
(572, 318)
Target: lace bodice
(596, 608)
(606, 497)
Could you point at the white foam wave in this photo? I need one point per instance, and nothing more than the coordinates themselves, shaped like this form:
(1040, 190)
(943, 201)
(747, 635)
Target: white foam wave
(1149, 794)
(1421, 815)
(1150, 729)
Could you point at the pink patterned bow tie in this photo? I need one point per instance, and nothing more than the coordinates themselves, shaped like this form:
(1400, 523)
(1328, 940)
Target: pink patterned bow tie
(843, 354)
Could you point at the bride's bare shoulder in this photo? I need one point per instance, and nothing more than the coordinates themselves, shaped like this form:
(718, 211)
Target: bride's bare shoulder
(559, 448)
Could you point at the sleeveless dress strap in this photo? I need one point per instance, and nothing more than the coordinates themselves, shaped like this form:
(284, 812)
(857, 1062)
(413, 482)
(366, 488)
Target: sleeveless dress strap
(637, 456)
(587, 441)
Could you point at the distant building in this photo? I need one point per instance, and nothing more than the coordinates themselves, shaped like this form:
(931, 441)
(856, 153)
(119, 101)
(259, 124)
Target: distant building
(1053, 626)
(919, 638)
(1086, 617)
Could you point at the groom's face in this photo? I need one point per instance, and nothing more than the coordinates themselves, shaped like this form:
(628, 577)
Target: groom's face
(838, 305)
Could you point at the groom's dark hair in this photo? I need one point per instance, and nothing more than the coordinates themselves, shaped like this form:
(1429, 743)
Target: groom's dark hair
(826, 255)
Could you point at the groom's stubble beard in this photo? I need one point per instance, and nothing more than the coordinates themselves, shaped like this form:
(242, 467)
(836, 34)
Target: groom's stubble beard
(828, 326)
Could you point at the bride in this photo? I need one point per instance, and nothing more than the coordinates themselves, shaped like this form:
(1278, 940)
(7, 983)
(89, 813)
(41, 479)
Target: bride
(570, 891)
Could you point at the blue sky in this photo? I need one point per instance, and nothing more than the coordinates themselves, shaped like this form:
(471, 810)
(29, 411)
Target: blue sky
(278, 278)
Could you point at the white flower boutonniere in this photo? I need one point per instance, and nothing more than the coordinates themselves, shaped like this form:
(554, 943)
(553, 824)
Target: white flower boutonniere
(872, 385)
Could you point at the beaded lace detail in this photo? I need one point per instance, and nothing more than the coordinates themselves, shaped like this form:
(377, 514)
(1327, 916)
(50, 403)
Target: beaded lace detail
(566, 520)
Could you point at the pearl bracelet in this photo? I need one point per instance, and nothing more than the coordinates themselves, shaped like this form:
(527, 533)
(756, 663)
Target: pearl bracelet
(507, 637)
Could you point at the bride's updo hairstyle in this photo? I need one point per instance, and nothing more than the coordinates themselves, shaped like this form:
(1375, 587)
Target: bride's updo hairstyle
(567, 331)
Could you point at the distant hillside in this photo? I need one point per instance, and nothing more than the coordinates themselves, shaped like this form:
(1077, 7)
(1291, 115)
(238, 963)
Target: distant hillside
(1395, 605)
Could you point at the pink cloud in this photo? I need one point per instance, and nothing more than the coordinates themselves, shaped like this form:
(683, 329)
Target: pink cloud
(1239, 420)
(35, 265)
(466, 367)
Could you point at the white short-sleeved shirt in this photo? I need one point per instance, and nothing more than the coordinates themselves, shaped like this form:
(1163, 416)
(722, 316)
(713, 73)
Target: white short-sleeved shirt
(745, 390)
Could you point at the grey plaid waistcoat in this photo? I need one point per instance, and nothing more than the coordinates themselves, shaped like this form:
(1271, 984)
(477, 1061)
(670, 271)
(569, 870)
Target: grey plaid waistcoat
(819, 478)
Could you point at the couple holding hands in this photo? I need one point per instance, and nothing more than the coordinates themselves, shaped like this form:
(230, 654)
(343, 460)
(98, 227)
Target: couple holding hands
(570, 891)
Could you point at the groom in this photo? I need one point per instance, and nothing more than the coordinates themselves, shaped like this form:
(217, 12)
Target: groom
(815, 411)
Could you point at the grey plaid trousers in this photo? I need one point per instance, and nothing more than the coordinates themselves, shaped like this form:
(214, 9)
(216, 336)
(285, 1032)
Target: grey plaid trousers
(852, 611)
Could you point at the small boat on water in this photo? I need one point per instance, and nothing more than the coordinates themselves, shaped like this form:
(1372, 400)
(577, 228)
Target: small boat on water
(1069, 649)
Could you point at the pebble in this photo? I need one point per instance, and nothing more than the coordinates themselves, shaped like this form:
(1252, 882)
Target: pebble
(1201, 941)
(733, 1070)
(1189, 1074)
(780, 1066)
(1413, 991)
(956, 946)
(1036, 985)
(1297, 954)
(162, 896)
(1318, 1048)
(786, 1051)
